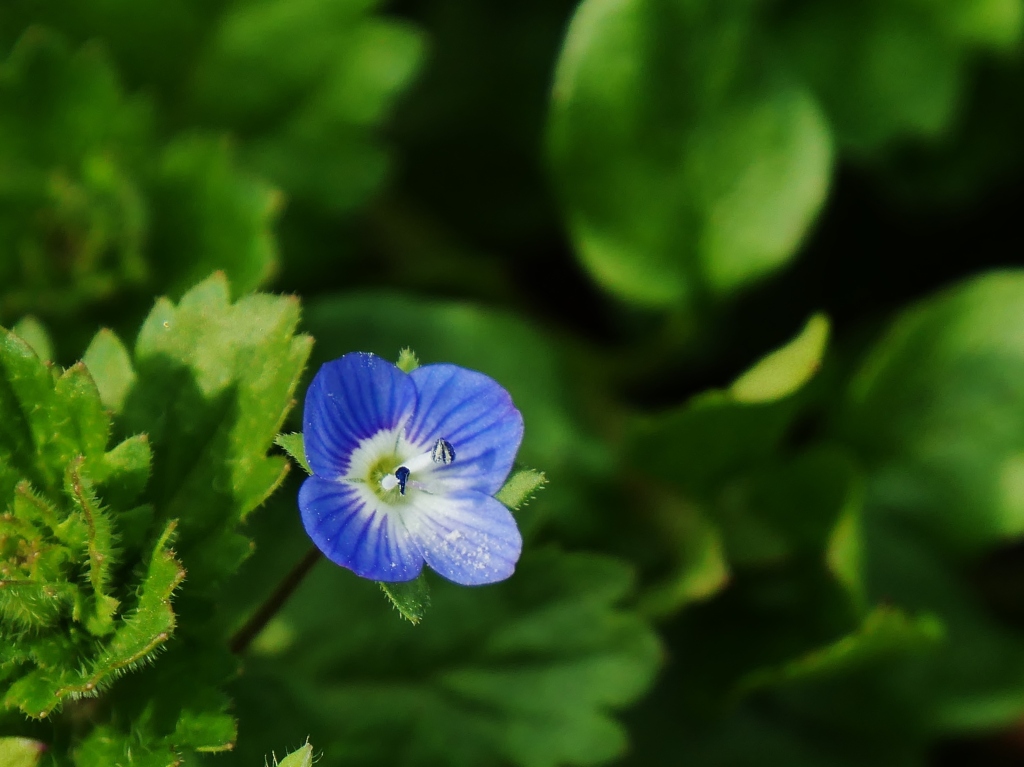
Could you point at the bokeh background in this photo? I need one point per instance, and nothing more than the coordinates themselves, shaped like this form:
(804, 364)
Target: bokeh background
(748, 267)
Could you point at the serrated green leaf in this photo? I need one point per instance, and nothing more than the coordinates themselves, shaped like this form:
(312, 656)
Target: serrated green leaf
(688, 163)
(787, 369)
(294, 446)
(136, 637)
(34, 333)
(21, 752)
(101, 553)
(110, 366)
(520, 488)
(214, 382)
(410, 598)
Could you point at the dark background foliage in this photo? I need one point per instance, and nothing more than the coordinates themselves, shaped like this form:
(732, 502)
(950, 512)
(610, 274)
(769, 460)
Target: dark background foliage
(620, 209)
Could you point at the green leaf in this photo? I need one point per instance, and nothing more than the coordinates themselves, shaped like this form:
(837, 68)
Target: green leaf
(520, 488)
(301, 758)
(489, 671)
(110, 366)
(407, 360)
(313, 79)
(410, 598)
(504, 347)
(884, 631)
(699, 570)
(886, 71)
(137, 636)
(20, 752)
(209, 215)
(294, 446)
(34, 333)
(937, 411)
(214, 382)
(688, 161)
(785, 370)
(74, 217)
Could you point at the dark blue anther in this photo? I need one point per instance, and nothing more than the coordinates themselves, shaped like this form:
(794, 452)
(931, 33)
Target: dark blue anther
(402, 475)
(443, 452)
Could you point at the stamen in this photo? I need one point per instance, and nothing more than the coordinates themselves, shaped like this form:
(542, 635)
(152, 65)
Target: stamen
(443, 452)
(402, 475)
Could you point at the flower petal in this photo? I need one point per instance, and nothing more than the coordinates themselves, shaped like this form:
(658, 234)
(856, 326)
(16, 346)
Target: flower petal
(476, 415)
(353, 530)
(468, 537)
(351, 399)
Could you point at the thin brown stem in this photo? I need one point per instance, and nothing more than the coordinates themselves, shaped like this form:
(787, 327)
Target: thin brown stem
(244, 636)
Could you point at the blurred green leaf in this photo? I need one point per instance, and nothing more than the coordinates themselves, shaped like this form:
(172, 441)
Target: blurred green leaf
(687, 160)
(206, 207)
(304, 82)
(501, 345)
(884, 631)
(888, 70)
(785, 370)
(20, 752)
(72, 216)
(937, 411)
(34, 333)
(110, 366)
(484, 681)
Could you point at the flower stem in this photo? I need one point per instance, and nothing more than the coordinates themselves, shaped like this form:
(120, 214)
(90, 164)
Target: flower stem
(244, 636)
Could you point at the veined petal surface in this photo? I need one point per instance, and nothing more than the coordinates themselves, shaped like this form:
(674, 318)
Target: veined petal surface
(355, 530)
(476, 415)
(466, 536)
(350, 400)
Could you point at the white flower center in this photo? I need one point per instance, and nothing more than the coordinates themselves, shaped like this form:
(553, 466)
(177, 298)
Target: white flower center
(441, 453)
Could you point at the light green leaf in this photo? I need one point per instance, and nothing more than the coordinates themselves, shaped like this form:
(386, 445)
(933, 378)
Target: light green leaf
(110, 366)
(520, 488)
(215, 380)
(20, 752)
(301, 758)
(34, 333)
(785, 370)
(407, 360)
(687, 162)
(294, 446)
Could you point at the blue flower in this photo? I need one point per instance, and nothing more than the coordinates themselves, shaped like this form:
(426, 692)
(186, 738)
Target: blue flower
(405, 467)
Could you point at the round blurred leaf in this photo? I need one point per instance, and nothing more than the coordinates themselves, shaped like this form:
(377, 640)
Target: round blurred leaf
(938, 412)
(687, 162)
